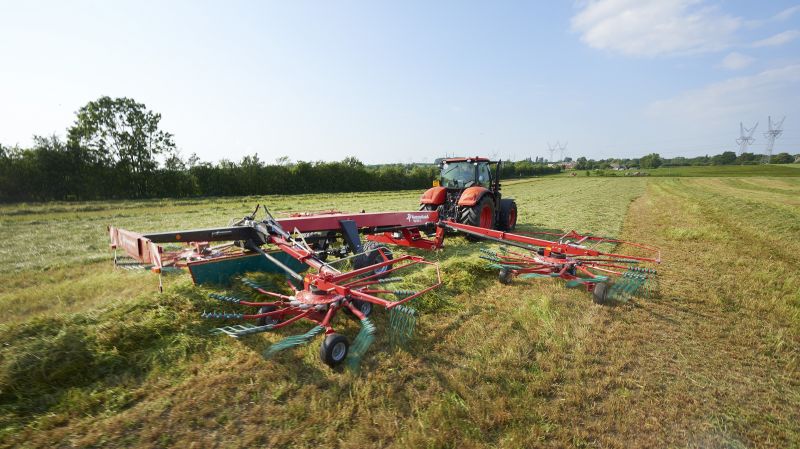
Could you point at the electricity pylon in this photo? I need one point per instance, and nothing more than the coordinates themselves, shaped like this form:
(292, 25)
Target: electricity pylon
(775, 130)
(745, 137)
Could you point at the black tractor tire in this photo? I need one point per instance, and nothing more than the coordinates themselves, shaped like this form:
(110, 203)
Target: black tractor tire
(371, 256)
(508, 216)
(472, 215)
(600, 293)
(263, 321)
(506, 276)
(430, 228)
(364, 307)
(334, 350)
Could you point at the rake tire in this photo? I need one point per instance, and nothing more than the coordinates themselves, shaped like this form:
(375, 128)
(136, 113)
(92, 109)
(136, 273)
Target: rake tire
(364, 307)
(600, 293)
(263, 321)
(334, 349)
(371, 256)
(506, 276)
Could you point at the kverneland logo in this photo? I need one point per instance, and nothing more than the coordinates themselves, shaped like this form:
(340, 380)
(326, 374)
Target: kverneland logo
(419, 218)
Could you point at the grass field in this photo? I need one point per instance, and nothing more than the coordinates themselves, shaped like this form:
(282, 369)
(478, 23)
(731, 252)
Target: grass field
(94, 357)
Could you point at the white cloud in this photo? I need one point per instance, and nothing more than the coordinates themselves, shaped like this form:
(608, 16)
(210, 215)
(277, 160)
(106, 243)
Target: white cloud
(654, 27)
(778, 39)
(771, 91)
(736, 61)
(786, 13)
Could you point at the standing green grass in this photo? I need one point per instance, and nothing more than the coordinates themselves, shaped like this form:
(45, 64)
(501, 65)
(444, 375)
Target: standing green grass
(94, 357)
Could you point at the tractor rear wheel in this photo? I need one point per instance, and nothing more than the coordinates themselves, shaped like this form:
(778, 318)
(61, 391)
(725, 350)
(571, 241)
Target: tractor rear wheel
(334, 350)
(480, 215)
(508, 215)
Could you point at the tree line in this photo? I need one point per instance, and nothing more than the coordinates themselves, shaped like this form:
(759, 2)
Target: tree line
(654, 160)
(116, 150)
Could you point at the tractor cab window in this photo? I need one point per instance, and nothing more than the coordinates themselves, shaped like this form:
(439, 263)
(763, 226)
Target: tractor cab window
(458, 175)
(484, 175)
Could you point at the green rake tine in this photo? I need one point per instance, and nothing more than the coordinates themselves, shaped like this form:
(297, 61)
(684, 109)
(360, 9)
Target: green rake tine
(389, 280)
(402, 321)
(583, 281)
(294, 340)
(252, 284)
(221, 315)
(360, 344)
(537, 275)
(225, 298)
(404, 293)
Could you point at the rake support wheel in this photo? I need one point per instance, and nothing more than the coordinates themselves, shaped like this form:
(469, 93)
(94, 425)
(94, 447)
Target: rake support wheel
(264, 320)
(600, 293)
(334, 350)
(372, 255)
(505, 276)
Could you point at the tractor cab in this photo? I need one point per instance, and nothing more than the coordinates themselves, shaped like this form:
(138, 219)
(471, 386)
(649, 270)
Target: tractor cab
(468, 191)
(460, 174)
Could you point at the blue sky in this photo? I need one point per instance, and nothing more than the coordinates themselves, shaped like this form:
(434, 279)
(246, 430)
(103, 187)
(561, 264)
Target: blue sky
(411, 81)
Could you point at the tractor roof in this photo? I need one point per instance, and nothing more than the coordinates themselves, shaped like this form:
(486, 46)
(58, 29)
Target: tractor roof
(465, 159)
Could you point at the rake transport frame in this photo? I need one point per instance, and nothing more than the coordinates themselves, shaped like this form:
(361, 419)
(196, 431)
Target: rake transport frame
(321, 293)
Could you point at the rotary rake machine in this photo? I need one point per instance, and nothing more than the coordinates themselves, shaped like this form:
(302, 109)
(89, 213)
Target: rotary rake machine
(366, 275)
(315, 297)
(579, 259)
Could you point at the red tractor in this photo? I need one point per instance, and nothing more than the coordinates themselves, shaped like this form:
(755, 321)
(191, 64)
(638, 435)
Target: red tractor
(468, 191)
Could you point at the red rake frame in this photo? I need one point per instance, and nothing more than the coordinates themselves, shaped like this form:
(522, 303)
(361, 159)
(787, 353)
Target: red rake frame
(573, 257)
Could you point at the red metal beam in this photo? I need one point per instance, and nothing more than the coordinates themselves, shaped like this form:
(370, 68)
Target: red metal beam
(330, 222)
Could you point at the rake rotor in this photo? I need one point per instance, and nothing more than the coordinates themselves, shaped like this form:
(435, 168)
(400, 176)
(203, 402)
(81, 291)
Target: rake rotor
(322, 296)
(591, 262)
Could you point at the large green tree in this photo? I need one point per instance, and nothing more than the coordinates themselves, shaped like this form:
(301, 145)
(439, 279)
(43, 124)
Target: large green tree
(782, 158)
(652, 160)
(123, 134)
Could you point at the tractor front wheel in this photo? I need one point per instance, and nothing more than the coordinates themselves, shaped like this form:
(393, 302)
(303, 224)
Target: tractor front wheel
(334, 349)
